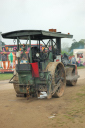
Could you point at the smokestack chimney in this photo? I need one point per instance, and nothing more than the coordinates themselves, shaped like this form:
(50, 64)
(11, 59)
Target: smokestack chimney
(52, 30)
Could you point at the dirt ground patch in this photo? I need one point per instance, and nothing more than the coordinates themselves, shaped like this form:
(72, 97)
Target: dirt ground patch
(65, 112)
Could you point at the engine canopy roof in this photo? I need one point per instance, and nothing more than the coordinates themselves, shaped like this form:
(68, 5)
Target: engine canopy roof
(35, 35)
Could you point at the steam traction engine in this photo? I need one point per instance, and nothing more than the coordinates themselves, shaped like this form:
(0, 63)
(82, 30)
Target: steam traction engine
(42, 70)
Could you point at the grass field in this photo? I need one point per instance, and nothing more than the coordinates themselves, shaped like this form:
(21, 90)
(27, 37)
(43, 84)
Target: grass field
(81, 67)
(5, 76)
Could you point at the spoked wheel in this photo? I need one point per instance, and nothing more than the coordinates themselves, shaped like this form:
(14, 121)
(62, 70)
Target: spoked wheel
(58, 78)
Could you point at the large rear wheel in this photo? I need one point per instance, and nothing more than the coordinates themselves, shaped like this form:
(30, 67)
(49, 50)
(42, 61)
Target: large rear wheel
(58, 78)
(16, 85)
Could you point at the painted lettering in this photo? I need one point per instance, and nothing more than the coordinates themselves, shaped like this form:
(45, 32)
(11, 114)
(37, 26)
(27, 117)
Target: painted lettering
(10, 49)
(50, 48)
(3, 49)
(28, 49)
(14, 48)
(6, 48)
(40, 47)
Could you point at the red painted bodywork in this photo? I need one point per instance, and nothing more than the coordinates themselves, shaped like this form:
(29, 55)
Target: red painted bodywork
(35, 69)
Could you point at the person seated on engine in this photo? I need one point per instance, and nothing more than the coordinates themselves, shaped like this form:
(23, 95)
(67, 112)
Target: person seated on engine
(23, 59)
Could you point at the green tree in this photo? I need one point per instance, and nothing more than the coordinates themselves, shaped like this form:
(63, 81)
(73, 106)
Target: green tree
(63, 51)
(76, 45)
(2, 43)
(83, 40)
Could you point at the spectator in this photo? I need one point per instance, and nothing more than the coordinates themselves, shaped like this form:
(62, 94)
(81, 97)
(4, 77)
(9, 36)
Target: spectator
(3, 57)
(84, 64)
(73, 60)
(79, 62)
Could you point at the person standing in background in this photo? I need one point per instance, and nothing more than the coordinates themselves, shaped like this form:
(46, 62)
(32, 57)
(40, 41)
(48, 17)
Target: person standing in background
(3, 57)
(79, 62)
(73, 60)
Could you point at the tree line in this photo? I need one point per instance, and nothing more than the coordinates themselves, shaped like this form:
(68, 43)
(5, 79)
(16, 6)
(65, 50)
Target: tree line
(74, 45)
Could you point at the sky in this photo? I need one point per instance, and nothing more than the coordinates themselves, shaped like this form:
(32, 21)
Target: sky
(67, 16)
